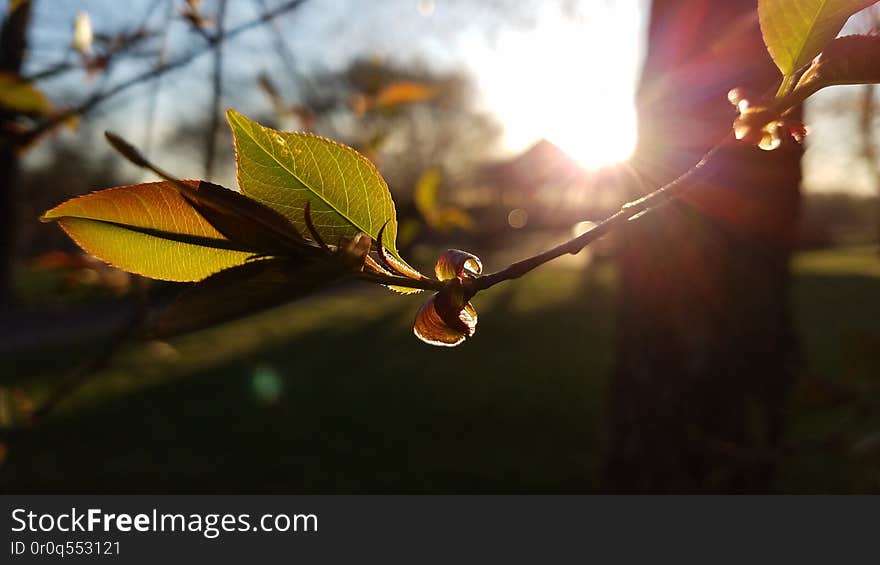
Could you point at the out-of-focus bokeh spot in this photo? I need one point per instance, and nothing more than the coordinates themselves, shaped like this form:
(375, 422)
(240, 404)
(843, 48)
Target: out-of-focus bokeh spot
(517, 218)
(266, 384)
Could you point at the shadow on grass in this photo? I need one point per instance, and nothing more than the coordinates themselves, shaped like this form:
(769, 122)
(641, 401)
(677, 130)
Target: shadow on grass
(354, 406)
(835, 312)
(335, 395)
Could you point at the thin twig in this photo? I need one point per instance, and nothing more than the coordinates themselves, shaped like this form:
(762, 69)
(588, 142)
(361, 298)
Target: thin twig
(156, 91)
(52, 70)
(284, 52)
(90, 103)
(129, 42)
(217, 84)
(628, 211)
(406, 282)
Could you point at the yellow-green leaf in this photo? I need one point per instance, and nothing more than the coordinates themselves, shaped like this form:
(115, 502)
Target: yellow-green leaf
(19, 95)
(425, 193)
(440, 218)
(795, 31)
(284, 170)
(148, 229)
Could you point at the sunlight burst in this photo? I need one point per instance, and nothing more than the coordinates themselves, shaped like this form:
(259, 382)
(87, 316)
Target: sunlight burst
(570, 80)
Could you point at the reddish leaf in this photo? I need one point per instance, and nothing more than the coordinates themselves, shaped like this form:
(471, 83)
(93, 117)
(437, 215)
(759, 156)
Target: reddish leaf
(438, 322)
(455, 264)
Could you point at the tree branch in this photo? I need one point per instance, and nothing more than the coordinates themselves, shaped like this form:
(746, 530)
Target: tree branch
(217, 84)
(90, 103)
(155, 92)
(394, 280)
(629, 211)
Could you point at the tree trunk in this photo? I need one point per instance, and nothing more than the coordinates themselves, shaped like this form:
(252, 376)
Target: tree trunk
(13, 44)
(706, 353)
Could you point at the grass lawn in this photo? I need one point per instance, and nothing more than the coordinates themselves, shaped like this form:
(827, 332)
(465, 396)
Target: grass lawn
(334, 394)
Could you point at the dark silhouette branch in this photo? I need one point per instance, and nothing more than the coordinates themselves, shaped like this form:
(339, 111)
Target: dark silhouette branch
(52, 70)
(217, 87)
(629, 211)
(155, 92)
(394, 280)
(13, 37)
(122, 43)
(93, 101)
(284, 52)
(13, 48)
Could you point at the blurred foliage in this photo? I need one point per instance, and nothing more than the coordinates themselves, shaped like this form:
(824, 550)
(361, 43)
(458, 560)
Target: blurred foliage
(82, 270)
(834, 218)
(439, 217)
(391, 96)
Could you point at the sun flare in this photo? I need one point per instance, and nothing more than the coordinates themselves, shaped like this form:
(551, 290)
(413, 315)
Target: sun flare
(570, 81)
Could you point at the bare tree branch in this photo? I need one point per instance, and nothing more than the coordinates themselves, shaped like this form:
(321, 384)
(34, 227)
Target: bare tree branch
(628, 212)
(217, 86)
(124, 41)
(153, 104)
(93, 101)
(284, 52)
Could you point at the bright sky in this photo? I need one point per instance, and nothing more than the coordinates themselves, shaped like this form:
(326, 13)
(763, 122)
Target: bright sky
(570, 80)
(560, 69)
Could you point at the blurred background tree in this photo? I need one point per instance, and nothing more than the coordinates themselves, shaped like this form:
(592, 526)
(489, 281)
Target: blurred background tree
(13, 46)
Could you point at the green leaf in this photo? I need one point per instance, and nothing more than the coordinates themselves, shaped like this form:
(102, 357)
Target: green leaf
(148, 229)
(440, 218)
(795, 31)
(284, 170)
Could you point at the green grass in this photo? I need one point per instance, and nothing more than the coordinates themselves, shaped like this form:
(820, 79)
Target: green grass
(837, 307)
(334, 394)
